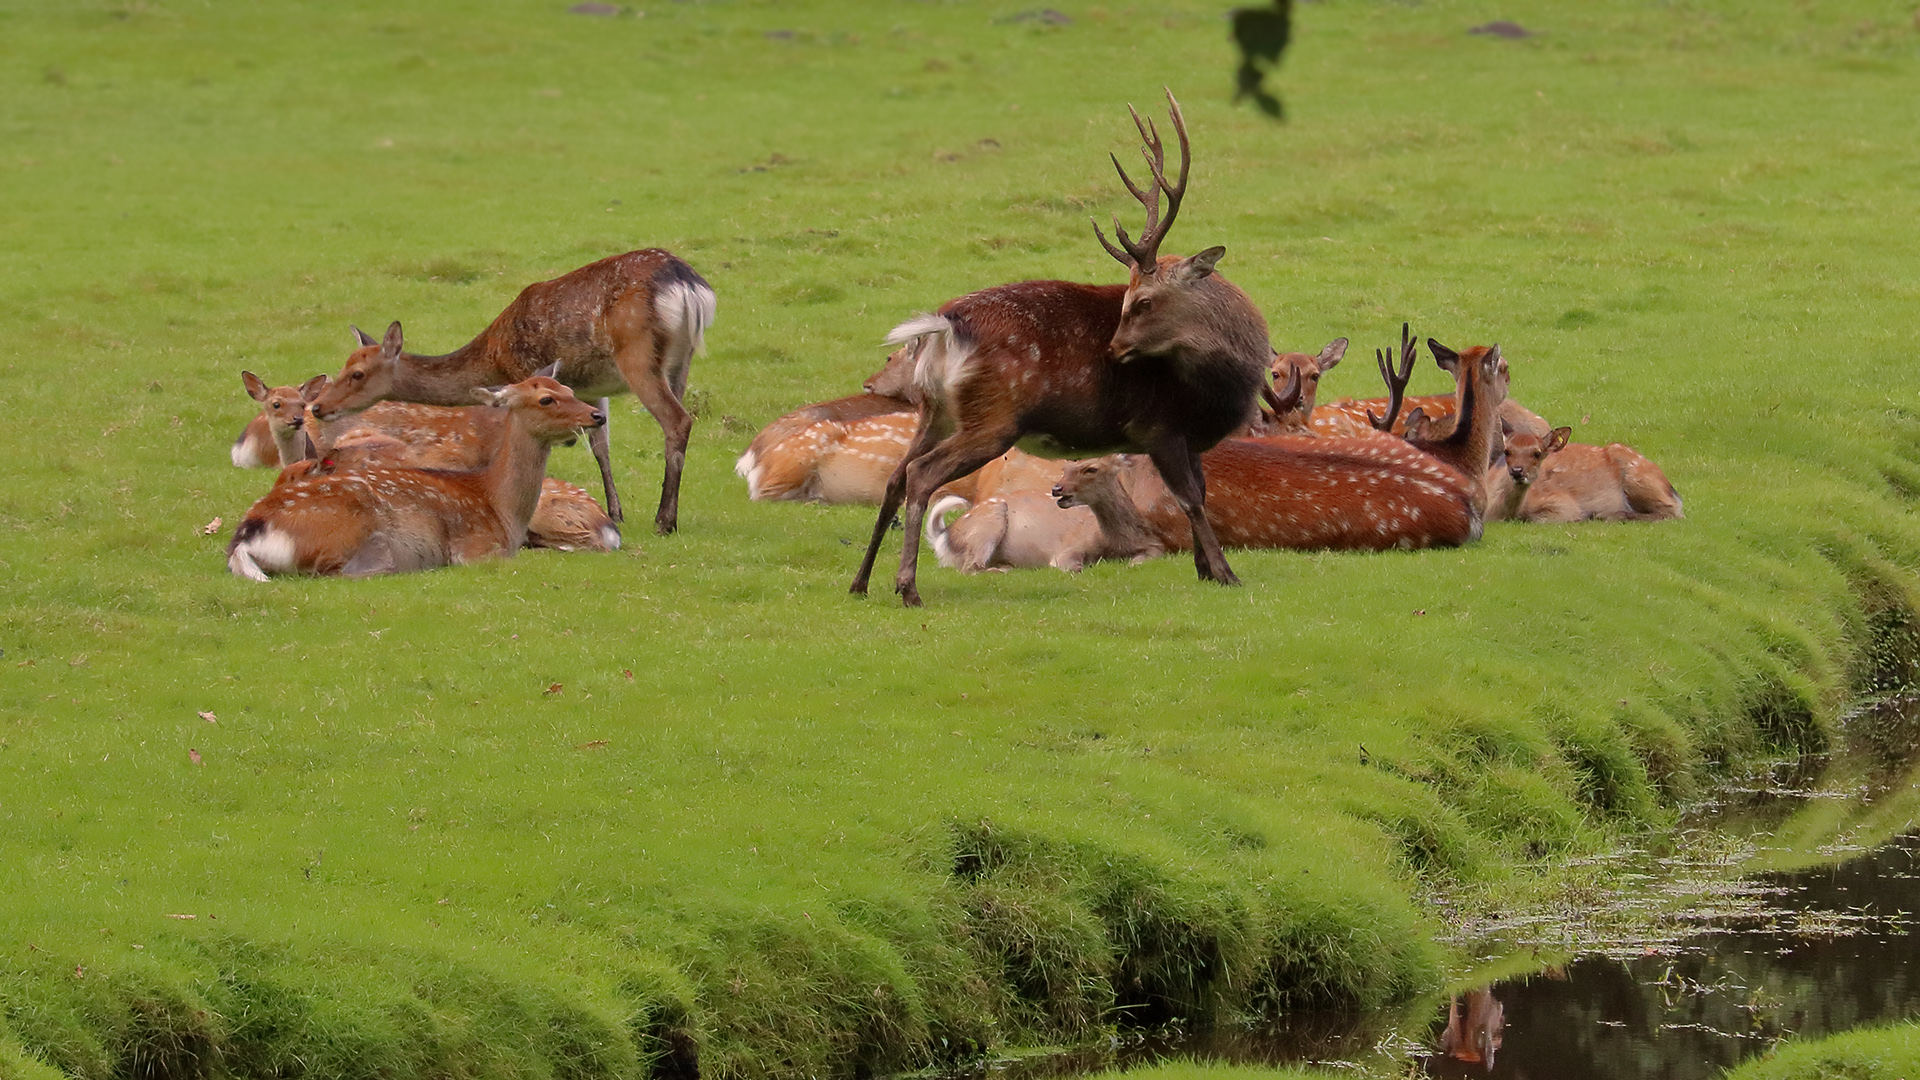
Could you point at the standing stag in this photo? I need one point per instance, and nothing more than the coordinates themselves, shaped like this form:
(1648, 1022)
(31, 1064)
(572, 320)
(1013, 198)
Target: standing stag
(1169, 364)
(626, 323)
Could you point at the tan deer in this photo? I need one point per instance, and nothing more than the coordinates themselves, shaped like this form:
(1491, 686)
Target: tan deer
(1511, 476)
(1016, 522)
(1170, 364)
(1280, 418)
(1579, 482)
(397, 434)
(1348, 417)
(277, 434)
(631, 322)
(390, 520)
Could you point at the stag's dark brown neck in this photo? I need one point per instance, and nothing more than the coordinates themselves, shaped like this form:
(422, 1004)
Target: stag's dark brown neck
(449, 379)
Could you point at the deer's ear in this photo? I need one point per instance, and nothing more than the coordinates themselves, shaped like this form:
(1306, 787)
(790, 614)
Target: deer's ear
(1448, 360)
(361, 338)
(256, 389)
(313, 388)
(551, 371)
(1558, 440)
(490, 396)
(1492, 361)
(390, 345)
(1331, 355)
(1198, 266)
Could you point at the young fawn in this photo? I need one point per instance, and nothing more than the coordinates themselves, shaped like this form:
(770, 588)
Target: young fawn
(392, 520)
(1579, 482)
(1171, 364)
(628, 323)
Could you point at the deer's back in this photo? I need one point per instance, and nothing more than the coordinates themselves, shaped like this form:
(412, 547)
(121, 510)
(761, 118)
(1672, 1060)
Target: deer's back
(581, 318)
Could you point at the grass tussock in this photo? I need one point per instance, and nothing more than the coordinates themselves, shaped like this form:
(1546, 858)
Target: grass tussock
(688, 808)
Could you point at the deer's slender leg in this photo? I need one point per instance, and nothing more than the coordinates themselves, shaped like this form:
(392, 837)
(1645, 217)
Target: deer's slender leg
(1180, 467)
(923, 439)
(957, 455)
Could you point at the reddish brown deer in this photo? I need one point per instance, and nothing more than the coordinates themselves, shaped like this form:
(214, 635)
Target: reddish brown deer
(1280, 418)
(1481, 378)
(1303, 492)
(1579, 482)
(1348, 417)
(626, 323)
(1170, 364)
(277, 435)
(384, 521)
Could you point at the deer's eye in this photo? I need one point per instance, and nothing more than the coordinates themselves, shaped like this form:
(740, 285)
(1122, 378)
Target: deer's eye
(546, 401)
(358, 375)
(1142, 304)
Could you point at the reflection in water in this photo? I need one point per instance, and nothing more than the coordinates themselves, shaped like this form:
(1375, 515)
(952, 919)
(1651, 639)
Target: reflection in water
(1473, 1033)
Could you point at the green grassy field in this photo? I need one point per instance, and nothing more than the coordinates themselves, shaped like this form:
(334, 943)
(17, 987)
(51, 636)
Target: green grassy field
(571, 816)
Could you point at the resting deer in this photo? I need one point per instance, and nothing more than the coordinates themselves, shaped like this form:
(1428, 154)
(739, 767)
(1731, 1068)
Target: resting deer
(1511, 476)
(627, 323)
(1301, 492)
(1348, 417)
(1579, 482)
(391, 520)
(1170, 364)
(1481, 378)
(277, 435)
(398, 434)
(1016, 523)
(1278, 418)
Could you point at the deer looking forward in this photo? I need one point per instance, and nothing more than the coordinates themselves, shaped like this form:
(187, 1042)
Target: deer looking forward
(626, 323)
(1169, 364)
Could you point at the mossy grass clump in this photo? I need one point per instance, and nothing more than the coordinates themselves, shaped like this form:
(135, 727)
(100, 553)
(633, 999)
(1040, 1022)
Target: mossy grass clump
(689, 808)
(1889, 1052)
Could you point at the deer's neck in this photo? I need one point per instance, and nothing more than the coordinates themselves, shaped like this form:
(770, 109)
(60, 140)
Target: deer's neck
(291, 444)
(1121, 523)
(513, 480)
(449, 379)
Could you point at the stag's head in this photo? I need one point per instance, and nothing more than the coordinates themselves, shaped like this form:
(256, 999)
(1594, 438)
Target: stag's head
(367, 378)
(1172, 303)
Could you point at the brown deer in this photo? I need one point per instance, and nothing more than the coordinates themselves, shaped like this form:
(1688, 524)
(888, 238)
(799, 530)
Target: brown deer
(1170, 364)
(384, 521)
(1348, 417)
(1474, 1035)
(1302, 492)
(1015, 522)
(1481, 379)
(397, 434)
(626, 323)
(838, 451)
(1579, 482)
(277, 435)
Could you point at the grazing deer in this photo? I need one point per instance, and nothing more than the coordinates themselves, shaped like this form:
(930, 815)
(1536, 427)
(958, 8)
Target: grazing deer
(1511, 476)
(626, 323)
(385, 521)
(277, 435)
(1579, 482)
(1303, 492)
(1170, 364)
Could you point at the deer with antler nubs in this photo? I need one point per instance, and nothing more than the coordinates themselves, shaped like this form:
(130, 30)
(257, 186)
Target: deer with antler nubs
(1169, 364)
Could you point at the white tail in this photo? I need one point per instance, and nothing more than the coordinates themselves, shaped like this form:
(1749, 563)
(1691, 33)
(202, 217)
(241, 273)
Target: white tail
(391, 520)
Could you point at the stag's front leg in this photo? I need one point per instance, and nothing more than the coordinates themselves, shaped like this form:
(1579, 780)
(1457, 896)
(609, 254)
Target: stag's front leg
(890, 501)
(1180, 468)
(956, 456)
(597, 442)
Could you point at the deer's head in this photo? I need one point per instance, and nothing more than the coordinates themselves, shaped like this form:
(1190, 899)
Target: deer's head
(366, 379)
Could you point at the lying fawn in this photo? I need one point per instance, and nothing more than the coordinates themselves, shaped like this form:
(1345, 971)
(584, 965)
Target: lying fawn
(1579, 482)
(391, 520)
(1016, 522)
(1172, 363)
(630, 322)
(277, 435)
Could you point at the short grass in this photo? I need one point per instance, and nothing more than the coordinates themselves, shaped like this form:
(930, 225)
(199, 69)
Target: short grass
(1878, 1053)
(583, 816)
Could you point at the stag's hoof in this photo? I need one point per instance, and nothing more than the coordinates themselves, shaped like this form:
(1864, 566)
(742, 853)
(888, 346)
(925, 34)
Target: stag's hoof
(909, 594)
(859, 587)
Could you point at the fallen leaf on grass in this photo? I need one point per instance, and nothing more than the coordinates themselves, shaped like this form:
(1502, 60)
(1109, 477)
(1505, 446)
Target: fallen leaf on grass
(174, 916)
(195, 756)
(555, 688)
(594, 745)
(210, 527)
(209, 717)
(628, 672)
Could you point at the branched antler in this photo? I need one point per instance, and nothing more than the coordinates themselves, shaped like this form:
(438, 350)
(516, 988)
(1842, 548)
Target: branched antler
(1145, 253)
(1396, 381)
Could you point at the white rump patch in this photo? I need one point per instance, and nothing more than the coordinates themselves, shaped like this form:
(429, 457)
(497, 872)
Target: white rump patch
(748, 468)
(940, 358)
(610, 537)
(688, 310)
(271, 552)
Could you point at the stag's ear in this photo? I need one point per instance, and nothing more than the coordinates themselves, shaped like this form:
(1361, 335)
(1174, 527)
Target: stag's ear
(390, 345)
(490, 396)
(551, 371)
(361, 339)
(1195, 267)
(1331, 355)
(1448, 360)
(1558, 440)
(313, 388)
(256, 389)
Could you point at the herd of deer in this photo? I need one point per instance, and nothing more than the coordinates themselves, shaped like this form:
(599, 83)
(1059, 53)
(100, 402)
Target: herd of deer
(403, 462)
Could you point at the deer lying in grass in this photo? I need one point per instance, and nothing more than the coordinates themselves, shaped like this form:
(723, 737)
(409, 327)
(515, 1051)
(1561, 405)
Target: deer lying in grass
(392, 520)
(1016, 523)
(1580, 482)
(277, 435)
(1170, 364)
(838, 451)
(1355, 418)
(630, 322)
(1278, 418)
(401, 435)
(1481, 378)
(1511, 476)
